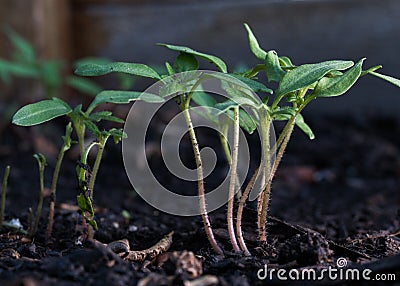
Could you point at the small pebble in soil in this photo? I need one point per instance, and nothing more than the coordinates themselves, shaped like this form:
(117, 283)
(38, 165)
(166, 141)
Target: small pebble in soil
(16, 223)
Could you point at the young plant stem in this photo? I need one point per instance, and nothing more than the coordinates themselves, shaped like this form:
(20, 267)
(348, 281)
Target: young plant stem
(101, 144)
(85, 186)
(301, 94)
(260, 200)
(79, 127)
(53, 190)
(227, 153)
(265, 134)
(259, 209)
(200, 182)
(42, 163)
(265, 165)
(3, 194)
(80, 132)
(30, 222)
(224, 143)
(267, 190)
(242, 202)
(232, 182)
(82, 170)
(81, 139)
(283, 134)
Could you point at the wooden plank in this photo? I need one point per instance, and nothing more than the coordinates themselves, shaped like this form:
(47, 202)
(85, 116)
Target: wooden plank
(17, 15)
(22, 24)
(134, 2)
(52, 21)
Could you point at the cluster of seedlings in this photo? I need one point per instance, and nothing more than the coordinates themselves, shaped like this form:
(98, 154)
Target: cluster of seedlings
(297, 86)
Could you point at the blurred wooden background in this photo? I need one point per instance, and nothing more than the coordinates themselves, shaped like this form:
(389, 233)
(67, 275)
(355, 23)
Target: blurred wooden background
(308, 31)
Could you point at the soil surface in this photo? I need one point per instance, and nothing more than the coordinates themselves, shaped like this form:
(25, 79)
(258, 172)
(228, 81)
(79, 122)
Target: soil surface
(334, 197)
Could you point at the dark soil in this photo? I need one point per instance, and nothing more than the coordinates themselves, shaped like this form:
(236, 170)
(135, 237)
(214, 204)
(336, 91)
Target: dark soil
(334, 197)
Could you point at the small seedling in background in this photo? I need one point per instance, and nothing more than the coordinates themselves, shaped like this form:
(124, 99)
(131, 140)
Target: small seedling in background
(33, 223)
(30, 223)
(46, 110)
(126, 215)
(3, 194)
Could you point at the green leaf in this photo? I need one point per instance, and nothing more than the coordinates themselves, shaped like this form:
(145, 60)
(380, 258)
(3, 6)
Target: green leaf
(371, 69)
(283, 113)
(334, 74)
(50, 71)
(91, 60)
(41, 160)
(254, 85)
(335, 86)
(171, 87)
(242, 97)
(207, 102)
(93, 223)
(304, 126)
(292, 97)
(128, 68)
(254, 46)
(185, 62)
(78, 110)
(25, 50)
(246, 122)
(170, 69)
(240, 68)
(203, 99)
(122, 97)
(238, 91)
(21, 70)
(40, 112)
(83, 85)
(92, 128)
(67, 137)
(254, 71)
(305, 75)
(125, 81)
(104, 115)
(210, 58)
(273, 68)
(286, 62)
(4, 75)
(389, 79)
(225, 105)
(85, 204)
(117, 134)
